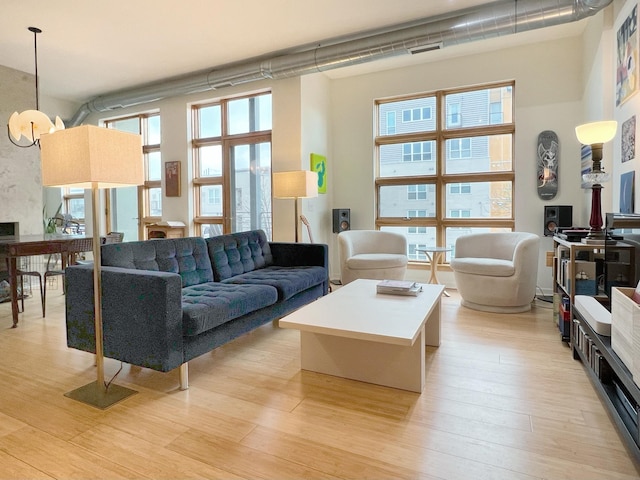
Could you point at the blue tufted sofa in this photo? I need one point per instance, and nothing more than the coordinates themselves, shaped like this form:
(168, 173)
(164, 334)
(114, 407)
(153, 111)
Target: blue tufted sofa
(167, 301)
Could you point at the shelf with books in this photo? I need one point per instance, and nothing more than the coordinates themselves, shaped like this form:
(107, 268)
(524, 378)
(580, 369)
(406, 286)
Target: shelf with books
(611, 379)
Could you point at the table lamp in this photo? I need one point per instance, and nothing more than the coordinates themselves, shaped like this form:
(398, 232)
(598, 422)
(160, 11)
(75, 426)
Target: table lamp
(596, 134)
(94, 158)
(295, 184)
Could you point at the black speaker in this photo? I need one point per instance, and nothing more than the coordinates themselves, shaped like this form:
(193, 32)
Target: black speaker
(557, 216)
(341, 219)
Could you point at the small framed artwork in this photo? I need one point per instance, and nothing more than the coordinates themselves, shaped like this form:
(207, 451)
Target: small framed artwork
(319, 165)
(585, 164)
(172, 179)
(627, 197)
(629, 139)
(627, 57)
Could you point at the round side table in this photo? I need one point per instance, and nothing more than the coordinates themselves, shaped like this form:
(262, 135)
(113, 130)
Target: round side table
(434, 255)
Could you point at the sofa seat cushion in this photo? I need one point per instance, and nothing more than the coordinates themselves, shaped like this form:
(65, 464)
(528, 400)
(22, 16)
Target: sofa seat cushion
(364, 261)
(492, 267)
(208, 305)
(287, 280)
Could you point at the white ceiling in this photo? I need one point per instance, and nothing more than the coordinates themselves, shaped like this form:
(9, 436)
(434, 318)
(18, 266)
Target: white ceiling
(92, 47)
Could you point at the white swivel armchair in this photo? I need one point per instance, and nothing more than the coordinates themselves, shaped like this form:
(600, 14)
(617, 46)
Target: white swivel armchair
(372, 254)
(497, 272)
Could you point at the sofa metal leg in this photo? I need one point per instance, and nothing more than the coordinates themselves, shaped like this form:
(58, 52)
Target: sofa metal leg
(184, 376)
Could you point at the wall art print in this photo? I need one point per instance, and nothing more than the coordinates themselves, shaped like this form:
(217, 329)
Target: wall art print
(628, 135)
(627, 197)
(172, 179)
(585, 164)
(627, 57)
(319, 165)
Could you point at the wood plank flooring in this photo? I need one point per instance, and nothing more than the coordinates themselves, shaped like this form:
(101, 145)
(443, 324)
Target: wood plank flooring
(504, 400)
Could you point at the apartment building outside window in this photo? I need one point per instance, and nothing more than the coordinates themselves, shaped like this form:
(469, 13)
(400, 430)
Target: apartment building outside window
(464, 184)
(150, 193)
(231, 147)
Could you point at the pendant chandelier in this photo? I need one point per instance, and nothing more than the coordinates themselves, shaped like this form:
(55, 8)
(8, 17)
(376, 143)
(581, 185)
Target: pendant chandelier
(30, 124)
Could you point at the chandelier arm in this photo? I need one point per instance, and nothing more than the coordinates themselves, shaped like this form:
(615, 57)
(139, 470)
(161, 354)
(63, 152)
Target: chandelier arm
(35, 142)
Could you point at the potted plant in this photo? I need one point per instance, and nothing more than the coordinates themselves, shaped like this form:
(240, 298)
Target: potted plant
(49, 224)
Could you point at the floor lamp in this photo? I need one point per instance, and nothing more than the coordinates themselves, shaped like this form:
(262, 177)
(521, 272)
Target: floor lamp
(93, 157)
(295, 184)
(596, 134)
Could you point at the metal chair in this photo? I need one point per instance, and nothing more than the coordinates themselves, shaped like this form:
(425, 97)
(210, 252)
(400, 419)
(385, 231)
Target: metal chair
(22, 273)
(76, 247)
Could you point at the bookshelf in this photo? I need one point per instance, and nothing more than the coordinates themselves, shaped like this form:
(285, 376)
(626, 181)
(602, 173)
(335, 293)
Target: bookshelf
(578, 269)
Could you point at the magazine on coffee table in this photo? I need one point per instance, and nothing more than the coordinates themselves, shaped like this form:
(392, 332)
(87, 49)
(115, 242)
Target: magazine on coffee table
(398, 287)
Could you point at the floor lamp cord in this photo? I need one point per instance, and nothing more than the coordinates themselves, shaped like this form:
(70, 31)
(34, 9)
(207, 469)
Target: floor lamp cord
(107, 384)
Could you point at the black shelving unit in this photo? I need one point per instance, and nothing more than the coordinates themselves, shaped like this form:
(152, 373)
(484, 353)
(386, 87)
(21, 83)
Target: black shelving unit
(612, 372)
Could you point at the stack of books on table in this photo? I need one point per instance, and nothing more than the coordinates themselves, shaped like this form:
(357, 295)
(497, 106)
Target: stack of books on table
(399, 287)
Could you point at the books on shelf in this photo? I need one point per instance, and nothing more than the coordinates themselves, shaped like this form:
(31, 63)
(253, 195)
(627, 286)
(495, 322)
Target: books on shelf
(398, 287)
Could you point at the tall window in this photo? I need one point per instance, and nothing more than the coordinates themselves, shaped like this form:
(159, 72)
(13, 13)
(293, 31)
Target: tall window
(150, 193)
(460, 175)
(74, 203)
(232, 165)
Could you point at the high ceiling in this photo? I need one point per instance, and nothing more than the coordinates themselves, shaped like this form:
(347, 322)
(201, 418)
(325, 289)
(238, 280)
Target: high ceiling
(89, 48)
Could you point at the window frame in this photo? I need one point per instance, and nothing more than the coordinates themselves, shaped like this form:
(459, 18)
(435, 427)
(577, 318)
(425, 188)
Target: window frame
(440, 179)
(226, 141)
(144, 190)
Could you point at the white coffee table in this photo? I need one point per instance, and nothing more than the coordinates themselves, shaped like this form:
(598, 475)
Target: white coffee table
(358, 334)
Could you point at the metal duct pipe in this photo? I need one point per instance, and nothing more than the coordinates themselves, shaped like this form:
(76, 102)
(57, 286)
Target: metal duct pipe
(499, 18)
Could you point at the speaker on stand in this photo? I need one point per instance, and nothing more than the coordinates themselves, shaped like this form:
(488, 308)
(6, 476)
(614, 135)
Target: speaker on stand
(557, 216)
(341, 219)
(341, 223)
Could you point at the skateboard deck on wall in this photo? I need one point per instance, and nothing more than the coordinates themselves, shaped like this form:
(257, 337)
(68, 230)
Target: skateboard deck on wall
(548, 154)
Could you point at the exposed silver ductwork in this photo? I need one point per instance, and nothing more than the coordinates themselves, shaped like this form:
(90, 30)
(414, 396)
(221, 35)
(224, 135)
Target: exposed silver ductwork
(500, 18)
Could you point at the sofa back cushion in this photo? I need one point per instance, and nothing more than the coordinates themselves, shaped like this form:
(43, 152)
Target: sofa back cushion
(185, 256)
(238, 253)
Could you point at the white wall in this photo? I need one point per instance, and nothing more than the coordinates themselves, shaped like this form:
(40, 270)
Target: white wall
(548, 96)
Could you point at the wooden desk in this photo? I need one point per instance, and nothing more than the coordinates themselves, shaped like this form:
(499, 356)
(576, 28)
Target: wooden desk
(26, 246)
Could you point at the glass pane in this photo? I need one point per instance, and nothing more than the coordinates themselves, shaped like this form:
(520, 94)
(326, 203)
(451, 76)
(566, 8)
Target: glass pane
(407, 116)
(479, 200)
(249, 114)
(210, 122)
(491, 153)
(417, 237)
(154, 163)
(492, 106)
(210, 161)
(407, 159)
(210, 230)
(153, 130)
(398, 200)
(155, 202)
(211, 200)
(251, 187)
(452, 233)
(76, 208)
(76, 191)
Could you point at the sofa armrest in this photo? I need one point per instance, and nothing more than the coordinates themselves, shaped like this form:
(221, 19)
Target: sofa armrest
(300, 254)
(141, 315)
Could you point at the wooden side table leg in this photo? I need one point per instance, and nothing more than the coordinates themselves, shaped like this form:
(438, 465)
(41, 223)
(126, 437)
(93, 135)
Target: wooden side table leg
(13, 278)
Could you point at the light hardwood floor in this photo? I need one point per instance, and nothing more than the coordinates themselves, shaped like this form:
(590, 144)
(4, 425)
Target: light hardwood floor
(504, 400)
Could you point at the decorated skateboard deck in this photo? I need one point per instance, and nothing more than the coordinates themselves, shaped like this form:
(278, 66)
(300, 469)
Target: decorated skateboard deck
(548, 153)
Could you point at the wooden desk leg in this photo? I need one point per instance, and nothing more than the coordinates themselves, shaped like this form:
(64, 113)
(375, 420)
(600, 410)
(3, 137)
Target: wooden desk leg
(13, 279)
